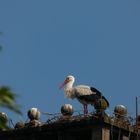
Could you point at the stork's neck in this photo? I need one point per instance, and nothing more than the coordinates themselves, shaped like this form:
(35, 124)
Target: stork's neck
(68, 86)
(69, 90)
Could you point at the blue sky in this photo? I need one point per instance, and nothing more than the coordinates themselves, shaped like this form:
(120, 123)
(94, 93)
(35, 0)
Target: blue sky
(44, 41)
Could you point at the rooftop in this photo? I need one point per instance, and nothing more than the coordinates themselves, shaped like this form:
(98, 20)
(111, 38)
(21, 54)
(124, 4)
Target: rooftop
(77, 127)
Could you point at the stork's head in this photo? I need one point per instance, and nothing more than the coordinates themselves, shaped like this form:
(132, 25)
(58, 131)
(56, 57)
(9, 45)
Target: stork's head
(69, 79)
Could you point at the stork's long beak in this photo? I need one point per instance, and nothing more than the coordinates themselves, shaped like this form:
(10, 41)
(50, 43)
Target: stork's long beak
(63, 84)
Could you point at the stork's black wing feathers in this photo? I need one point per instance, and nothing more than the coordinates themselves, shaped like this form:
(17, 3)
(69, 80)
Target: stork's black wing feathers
(93, 97)
(105, 100)
(96, 91)
(89, 98)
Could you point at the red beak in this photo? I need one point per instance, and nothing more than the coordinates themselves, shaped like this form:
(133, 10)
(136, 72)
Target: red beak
(63, 84)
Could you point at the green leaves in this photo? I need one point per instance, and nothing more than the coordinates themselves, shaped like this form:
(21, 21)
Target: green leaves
(8, 99)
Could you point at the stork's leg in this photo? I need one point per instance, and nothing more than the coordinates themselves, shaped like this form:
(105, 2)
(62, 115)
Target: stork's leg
(85, 109)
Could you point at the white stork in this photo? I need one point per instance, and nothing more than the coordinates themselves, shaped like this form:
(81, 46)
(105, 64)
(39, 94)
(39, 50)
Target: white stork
(85, 94)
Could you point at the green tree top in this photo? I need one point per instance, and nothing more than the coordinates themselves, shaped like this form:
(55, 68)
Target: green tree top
(8, 100)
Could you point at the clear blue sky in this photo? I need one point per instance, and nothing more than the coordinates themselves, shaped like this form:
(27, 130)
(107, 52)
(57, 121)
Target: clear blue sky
(44, 41)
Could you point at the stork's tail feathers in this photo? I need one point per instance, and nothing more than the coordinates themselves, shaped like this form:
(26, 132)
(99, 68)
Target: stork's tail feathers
(105, 101)
(101, 104)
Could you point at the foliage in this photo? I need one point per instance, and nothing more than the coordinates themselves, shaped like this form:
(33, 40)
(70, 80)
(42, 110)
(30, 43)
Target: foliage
(8, 100)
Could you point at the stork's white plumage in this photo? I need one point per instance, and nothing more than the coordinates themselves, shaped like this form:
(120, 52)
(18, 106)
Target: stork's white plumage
(85, 94)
